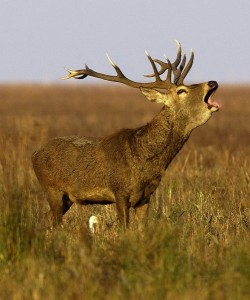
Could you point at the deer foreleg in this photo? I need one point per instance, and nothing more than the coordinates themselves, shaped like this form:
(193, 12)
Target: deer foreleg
(122, 206)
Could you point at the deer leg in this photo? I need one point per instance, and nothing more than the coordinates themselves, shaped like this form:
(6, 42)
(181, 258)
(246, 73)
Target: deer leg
(141, 213)
(122, 207)
(55, 199)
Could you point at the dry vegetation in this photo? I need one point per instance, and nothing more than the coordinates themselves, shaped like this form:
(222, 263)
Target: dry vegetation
(197, 243)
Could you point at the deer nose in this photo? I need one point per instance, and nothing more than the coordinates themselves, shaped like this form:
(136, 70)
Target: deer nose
(213, 84)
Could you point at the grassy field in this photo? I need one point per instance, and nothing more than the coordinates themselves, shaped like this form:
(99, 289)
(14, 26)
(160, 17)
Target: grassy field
(197, 244)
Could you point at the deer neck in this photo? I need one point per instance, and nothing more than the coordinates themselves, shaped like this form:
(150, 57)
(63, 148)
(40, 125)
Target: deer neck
(164, 136)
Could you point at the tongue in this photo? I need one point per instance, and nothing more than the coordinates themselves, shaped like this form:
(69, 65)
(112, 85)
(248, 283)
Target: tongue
(213, 103)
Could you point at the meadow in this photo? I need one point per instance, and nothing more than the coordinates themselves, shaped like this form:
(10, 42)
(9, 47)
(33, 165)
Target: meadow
(197, 243)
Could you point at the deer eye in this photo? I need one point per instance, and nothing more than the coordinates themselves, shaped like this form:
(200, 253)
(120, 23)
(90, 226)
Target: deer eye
(181, 91)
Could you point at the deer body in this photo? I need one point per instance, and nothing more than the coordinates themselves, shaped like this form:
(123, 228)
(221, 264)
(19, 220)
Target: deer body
(126, 167)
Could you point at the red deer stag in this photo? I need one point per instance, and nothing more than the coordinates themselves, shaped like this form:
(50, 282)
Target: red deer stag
(126, 167)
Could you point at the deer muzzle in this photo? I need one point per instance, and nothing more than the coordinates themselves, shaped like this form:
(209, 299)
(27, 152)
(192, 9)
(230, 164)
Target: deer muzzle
(213, 105)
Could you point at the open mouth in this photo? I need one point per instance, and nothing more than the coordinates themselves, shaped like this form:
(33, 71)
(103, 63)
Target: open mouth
(208, 99)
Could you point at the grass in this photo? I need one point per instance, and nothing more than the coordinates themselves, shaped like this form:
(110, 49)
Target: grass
(197, 242)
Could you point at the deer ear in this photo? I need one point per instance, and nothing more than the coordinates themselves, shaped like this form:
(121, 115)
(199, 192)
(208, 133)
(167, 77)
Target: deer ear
(154, 95)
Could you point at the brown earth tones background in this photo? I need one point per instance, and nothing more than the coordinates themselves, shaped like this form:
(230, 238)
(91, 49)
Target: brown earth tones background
(197, 243)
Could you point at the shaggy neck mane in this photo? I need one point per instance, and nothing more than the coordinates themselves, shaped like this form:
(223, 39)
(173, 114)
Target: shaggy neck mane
(163, 137)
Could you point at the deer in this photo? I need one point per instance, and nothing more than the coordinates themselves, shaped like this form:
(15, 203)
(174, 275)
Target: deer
(126, 167)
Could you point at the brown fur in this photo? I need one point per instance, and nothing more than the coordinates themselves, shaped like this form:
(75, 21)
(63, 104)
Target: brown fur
(125, 167)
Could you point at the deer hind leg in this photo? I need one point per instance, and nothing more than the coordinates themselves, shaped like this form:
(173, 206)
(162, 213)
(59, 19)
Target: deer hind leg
(122, 207)
(141, 213)
(59, 203)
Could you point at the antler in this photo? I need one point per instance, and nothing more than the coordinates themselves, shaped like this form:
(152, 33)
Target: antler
(179, 76)
(120, 77)
(158, 83)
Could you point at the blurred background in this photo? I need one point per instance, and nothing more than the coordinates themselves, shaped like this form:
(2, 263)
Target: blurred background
(39, 38)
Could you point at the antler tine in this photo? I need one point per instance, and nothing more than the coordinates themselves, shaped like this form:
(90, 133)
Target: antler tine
(74, 74)
(187, 69)
(168, 79)
(156, 73)
(165, 66)
(178, 57)
(177, 72)
(117, 69)
(182, 65)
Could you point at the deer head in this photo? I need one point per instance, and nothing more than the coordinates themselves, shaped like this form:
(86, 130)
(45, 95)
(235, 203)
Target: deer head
(191, 102)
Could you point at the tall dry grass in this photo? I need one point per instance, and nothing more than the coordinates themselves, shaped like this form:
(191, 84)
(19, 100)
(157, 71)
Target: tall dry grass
(196, 245)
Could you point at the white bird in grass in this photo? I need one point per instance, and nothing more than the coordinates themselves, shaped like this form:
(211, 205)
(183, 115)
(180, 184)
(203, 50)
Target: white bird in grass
(93, 224)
